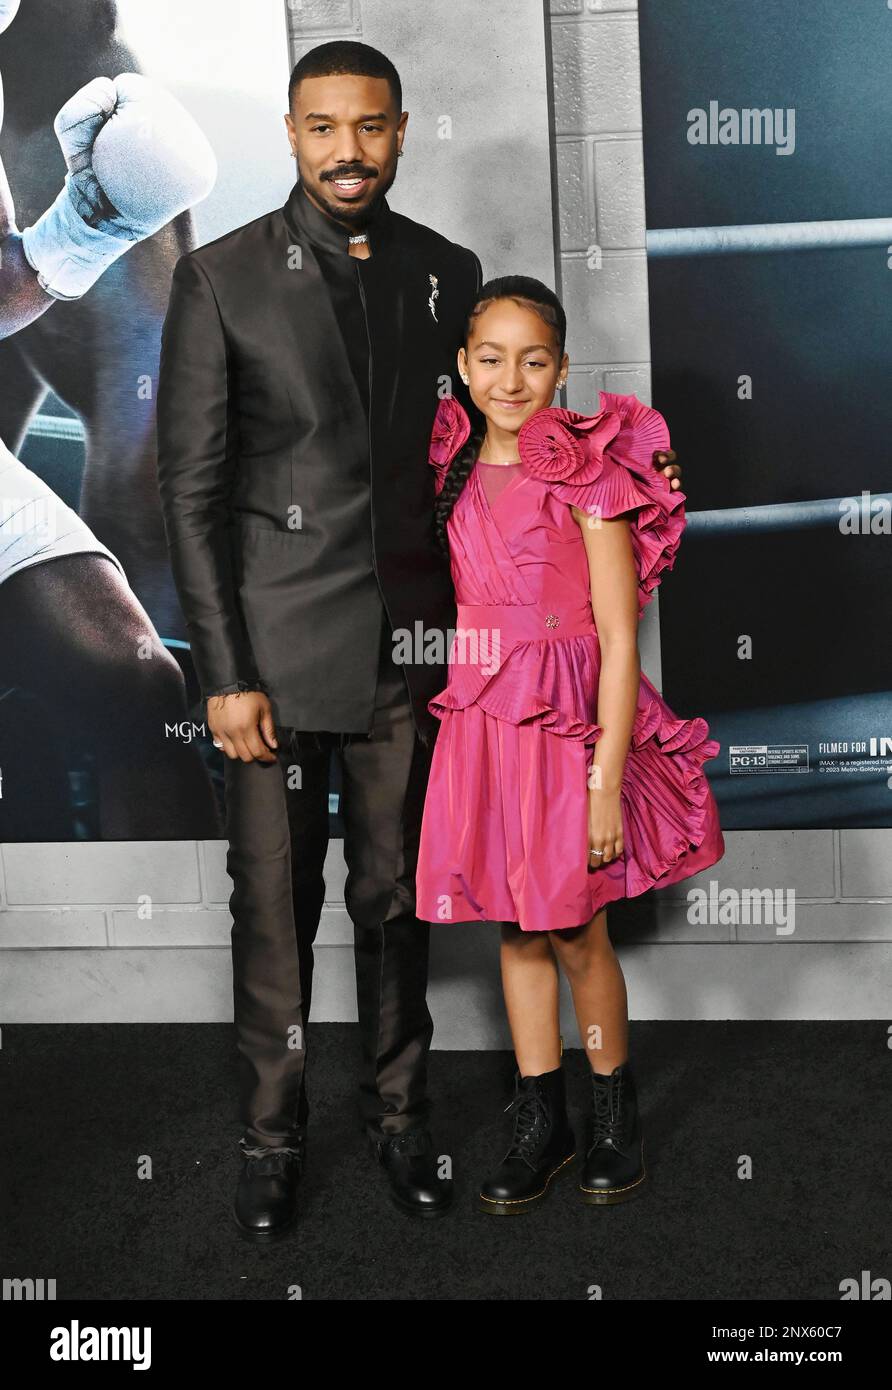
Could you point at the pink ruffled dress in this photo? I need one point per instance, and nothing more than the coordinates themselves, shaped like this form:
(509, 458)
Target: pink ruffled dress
(504, 835)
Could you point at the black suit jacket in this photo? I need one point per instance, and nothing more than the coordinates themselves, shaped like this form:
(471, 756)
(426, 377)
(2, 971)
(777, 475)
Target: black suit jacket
(290, 514)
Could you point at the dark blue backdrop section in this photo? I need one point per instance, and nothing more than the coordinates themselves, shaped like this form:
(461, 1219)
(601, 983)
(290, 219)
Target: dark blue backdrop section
(811, 331)
(831, 60)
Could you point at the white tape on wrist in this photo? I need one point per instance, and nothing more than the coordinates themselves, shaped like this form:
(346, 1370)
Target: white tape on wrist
(68, 254)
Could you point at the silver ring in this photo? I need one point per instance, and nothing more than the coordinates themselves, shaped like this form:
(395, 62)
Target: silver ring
(596, 851)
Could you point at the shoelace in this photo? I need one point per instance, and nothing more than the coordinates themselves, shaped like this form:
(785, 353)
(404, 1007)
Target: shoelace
(529, 1118)
(607, 1120)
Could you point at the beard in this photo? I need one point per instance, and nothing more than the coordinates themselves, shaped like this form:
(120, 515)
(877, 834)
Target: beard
(354, 217)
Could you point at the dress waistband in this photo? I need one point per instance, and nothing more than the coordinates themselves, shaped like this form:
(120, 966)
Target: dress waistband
(526, 622)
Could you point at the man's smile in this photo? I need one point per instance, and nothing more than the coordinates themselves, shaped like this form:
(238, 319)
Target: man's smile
(350, 185)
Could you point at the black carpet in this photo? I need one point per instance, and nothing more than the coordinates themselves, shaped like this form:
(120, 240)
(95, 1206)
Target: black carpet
(810, 1103)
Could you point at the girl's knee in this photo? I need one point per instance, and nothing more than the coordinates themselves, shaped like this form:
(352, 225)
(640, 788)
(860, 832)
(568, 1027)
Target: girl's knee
(577, 946)
(530, 942)
(570, 947)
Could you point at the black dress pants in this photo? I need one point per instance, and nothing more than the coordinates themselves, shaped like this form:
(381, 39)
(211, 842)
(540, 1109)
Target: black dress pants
(277, 826)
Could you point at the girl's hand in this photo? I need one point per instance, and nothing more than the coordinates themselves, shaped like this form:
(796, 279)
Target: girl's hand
(605, 827)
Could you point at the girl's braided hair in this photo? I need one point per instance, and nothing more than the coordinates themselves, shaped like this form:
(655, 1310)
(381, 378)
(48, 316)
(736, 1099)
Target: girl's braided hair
(531, 294)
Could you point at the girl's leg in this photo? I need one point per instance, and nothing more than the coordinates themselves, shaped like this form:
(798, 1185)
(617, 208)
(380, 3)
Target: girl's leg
(599, 991)
(613, 1168)
(543, 1142)
(530, 987)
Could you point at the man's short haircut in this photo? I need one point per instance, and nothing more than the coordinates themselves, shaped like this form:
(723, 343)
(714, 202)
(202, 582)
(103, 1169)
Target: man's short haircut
(345, 58)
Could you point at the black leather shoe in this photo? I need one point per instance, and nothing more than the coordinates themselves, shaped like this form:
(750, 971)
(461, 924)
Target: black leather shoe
(266, 1197)
(613, 1169)
(543, 1144)
(411, 1166)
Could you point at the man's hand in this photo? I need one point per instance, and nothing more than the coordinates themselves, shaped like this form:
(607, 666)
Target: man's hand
(664, 460)
(242, 725)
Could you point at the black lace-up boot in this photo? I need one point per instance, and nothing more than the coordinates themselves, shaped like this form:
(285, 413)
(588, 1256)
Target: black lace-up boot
(266, 1196)
(613, 1169)
(412, 1170)
(543, 1143)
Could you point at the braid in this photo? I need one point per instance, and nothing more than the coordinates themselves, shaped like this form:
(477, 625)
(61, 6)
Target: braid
(459, 472)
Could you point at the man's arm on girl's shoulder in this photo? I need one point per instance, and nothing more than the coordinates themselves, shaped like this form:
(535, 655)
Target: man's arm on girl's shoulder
(664, 460)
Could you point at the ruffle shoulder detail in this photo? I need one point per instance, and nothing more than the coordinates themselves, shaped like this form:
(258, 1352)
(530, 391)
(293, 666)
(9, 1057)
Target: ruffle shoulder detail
(604, 465)
(450, 432)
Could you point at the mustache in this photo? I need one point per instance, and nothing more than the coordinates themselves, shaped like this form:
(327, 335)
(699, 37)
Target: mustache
(358, 173)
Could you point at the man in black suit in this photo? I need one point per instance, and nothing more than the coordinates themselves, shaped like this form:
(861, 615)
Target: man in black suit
(303, 357)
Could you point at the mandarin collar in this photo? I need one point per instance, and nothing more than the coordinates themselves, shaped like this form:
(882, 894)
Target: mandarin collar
(304, 217)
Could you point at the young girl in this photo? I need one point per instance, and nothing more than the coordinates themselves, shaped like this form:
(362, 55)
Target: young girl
(560, 779)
